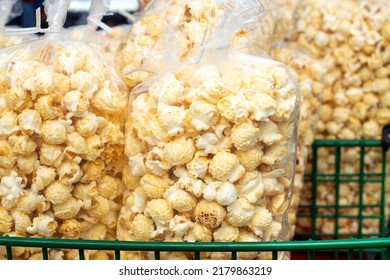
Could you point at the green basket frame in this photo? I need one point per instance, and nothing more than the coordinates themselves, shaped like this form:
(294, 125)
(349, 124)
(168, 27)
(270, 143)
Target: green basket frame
(371, 248)
(351, 249)
(337, 177)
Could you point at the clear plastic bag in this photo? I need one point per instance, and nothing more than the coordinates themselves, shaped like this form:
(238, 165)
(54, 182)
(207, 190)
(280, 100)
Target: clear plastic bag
(192, 21)
(89, 34)
(351, 38)
(61, 138)
(8, 10)
(310, 75)
(211, 150)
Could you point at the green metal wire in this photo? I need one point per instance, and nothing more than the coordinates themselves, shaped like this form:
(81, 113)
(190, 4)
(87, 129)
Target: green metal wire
(339, 248)
(337, 177)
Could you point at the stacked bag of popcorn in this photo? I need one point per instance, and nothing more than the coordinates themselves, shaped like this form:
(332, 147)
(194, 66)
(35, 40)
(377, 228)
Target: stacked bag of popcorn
(211, 145)
(8, 10)
(310, 75)
(193, 21)
(61, 140)
(352, 40)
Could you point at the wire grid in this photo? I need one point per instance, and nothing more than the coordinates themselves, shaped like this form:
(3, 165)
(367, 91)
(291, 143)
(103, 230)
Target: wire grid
(352, 249)
(313, 211)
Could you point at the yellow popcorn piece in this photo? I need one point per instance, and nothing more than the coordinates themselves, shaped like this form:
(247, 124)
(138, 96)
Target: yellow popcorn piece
(226, 167)
(179, 151)
(180, 200)
(43, 225)
(226, 233)
(153, 186)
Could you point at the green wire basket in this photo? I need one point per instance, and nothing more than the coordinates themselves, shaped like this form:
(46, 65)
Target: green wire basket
(334, 178)
(356, 247)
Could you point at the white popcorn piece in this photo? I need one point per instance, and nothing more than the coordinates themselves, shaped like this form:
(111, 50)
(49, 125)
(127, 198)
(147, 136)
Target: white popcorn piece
(234, 108)
(54, 132)
(240, 213)
(139, 201)
(263, 106)
(180, 225)
(191, 185)
(226, 233)
(226, 167)
(50, 107)
(204, 115)
(22, 145)
(43, 225)
(8, 123)
(69, 172)
(168, 90)
(83, 82)
(245, 136)
(156, 163)
(251, 187)
(270, 133)
(172, 118)
(198, 166)
(211, 144)
(76, 103)
(159, 210)
(30, 121)
(22, 222)
(11, 188)
(261, 221)
(224, 193)
(198, 232)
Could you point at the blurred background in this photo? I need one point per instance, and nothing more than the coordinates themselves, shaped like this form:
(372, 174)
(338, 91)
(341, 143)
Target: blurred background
(77, 14)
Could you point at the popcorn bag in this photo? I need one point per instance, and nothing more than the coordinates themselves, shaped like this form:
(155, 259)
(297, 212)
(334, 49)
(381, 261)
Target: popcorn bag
(211, 150)
(61, 139)
(193, 21)
(310, 75)
(351, 38)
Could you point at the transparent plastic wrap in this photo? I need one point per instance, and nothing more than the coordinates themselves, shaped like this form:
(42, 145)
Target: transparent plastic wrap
(286, 9)
(190, 19)
(8, 10)
(88, 33)
(61, 139)
(142, 4)
(211, 150)
(352, 40)
(310, 75)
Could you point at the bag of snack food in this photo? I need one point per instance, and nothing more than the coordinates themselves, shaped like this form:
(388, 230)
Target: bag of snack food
(211, 149)
(193, 20)
(61, 138)
(310, 75)
(351, 38)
